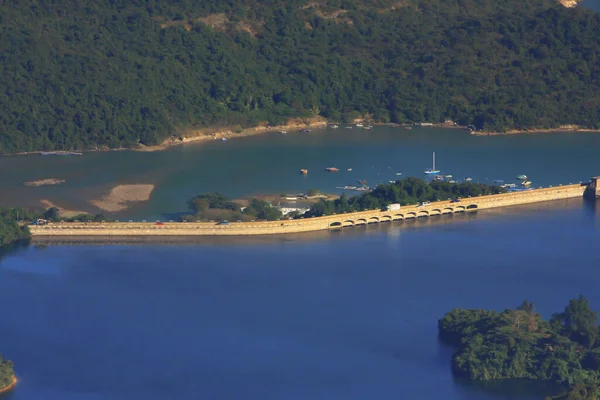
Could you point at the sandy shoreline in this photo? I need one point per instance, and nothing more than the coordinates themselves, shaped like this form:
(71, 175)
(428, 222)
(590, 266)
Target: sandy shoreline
(206, 134)
(120, 196)
(9, 387)
(297, 124)
(562, 128)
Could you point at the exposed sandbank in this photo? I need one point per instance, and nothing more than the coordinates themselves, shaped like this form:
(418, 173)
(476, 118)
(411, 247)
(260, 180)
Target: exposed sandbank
(42, 182)
(63, 212)
(119, 197)
(10, 387)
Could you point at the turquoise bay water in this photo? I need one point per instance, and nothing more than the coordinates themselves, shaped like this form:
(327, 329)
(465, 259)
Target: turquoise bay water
(271, 163)
(345, 315)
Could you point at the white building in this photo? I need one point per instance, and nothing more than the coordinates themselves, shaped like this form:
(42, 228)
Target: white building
(287, 210)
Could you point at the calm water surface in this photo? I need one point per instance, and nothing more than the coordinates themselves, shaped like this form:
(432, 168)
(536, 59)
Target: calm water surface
(271, 164)
(347, 315)
(591, 4)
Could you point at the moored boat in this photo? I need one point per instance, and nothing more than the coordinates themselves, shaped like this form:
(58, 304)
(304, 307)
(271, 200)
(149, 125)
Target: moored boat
(432, 170)
(331, 169)
(304, 171)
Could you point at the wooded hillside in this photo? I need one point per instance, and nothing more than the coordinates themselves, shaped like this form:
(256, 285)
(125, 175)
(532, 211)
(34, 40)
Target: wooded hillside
(117, 73)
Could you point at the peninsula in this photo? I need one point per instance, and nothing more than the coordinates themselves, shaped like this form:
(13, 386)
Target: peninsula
(496, 65)
(520, 344)
(363, 210)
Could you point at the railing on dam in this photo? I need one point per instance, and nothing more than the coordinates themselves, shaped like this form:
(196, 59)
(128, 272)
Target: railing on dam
(307, 224)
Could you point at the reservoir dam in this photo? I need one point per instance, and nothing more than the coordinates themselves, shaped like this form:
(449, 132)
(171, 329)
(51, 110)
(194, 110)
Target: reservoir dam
(329, 222)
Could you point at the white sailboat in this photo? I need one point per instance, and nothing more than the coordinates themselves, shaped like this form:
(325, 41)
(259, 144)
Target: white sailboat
(432, 170)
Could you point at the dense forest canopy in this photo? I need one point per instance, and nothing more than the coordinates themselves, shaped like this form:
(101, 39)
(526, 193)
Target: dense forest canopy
(520, 344)
(7, 375)
(409, 191)
(117, 73)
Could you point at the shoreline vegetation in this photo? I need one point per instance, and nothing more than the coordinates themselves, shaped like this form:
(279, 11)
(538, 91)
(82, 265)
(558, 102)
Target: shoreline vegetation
(10, 386)
(8, 379)
(520, 344)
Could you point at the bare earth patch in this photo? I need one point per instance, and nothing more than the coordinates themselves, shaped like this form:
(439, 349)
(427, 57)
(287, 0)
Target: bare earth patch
(41, 182)
(569, 3)
(119, 197)
(63, 212)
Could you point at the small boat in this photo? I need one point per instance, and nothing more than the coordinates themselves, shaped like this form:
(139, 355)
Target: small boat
(305, 130)
(359, 125)
(398, 173)
(332, 169)
(304, 171)
(448, 176)
(348, 127)
(468, 179)
(223, 139)
(283, 132)
(526, 183)
(363, 189)
(522, 177)
(362, 182)
(349, 187)
(392, 181)
(508, 185)
(368, 127)
(349, 169)
(432, 170)
(334, 126)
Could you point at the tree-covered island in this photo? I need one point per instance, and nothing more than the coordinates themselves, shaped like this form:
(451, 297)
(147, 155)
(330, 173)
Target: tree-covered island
(81, 75)
(520, 344)
(407, 191)
(217, 207)
(7, 375)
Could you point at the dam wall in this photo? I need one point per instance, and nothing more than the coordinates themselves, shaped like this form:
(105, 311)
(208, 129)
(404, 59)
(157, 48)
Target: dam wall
(335, 221)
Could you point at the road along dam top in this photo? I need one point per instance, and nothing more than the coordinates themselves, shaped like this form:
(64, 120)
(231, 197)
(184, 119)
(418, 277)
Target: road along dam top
(307, 224)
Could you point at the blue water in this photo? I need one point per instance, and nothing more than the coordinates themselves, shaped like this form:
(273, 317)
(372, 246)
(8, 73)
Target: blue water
(591, 4)
(346, 315)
